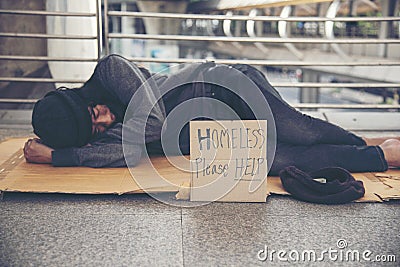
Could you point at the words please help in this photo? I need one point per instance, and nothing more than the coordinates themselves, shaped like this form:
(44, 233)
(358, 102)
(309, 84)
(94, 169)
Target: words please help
(228, 160)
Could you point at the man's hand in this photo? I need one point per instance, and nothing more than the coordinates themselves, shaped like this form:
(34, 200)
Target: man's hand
(35, 152)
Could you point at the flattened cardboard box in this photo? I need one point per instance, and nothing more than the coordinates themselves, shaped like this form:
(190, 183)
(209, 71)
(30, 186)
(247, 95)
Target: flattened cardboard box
(18, 176)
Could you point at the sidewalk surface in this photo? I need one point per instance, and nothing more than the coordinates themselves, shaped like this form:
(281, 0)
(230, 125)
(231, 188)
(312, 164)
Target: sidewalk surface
(129, 230)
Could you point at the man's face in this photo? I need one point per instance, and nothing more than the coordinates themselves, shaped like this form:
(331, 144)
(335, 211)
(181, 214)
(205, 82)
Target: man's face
(102, 118)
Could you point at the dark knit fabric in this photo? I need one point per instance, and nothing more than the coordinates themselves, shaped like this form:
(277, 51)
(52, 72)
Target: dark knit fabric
(61, 119)
(340, 186)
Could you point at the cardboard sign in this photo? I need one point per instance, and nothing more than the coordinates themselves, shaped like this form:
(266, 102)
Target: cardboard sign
(228, 160)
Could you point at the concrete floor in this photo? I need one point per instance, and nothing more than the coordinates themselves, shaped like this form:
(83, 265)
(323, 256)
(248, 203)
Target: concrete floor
(129, 230)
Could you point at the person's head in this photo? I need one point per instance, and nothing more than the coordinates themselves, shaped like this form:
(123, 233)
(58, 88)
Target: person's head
(102, 118)
(63, 119)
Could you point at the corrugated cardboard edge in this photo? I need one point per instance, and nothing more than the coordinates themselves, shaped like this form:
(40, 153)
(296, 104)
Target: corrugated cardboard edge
(380, 187)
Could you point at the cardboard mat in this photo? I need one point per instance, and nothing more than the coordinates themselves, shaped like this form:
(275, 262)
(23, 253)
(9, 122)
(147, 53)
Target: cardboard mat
(18, 176)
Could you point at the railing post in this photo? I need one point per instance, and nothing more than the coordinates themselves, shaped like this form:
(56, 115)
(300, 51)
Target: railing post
(309, 95)
(387, 10)
(99, 29)
(106, 29)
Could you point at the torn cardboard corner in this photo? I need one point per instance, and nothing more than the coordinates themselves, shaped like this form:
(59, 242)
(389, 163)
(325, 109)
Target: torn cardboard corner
(18, 176)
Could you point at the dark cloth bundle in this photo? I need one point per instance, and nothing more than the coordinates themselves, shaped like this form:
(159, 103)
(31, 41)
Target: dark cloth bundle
(340, 186)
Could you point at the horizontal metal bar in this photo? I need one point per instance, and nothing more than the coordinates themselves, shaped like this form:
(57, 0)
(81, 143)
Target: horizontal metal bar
(245, 18)
(46, 13)
(276, 84)
(265, 62)
(43, 58)
(219, 61)
(346, 106)
(39, 80)
(252, 39)
(18, 100)
(337, 85)
(48, 36)
(301, 105)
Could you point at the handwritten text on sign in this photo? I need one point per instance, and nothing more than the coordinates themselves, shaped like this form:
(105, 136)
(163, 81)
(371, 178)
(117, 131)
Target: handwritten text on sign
(228, 160)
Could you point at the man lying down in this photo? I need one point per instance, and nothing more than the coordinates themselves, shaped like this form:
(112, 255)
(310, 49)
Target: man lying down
(83, 126)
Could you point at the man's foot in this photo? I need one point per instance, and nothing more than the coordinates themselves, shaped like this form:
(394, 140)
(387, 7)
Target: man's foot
(376, 141)
(391, 149)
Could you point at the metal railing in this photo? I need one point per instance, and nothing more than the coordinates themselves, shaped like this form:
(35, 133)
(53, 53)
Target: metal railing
(106, 15)
(97, 38)
(243, 17)
(277, 40)
(97, 15)
(265, 40)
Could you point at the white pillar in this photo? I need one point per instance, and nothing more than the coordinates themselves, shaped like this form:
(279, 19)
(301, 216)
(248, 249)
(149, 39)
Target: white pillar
(310, 95)
(71, 48)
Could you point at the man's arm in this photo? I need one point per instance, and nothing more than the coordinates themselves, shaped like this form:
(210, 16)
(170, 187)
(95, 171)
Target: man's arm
(105, 151)
(96, 156)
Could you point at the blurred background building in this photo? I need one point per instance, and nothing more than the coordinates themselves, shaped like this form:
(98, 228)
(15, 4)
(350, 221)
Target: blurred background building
(321, 54)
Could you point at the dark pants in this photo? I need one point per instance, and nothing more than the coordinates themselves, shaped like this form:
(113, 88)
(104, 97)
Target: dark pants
(310, 143)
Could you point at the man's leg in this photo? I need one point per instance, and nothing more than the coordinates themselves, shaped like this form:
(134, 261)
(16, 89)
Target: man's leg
(313, 157)
(293, 126)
